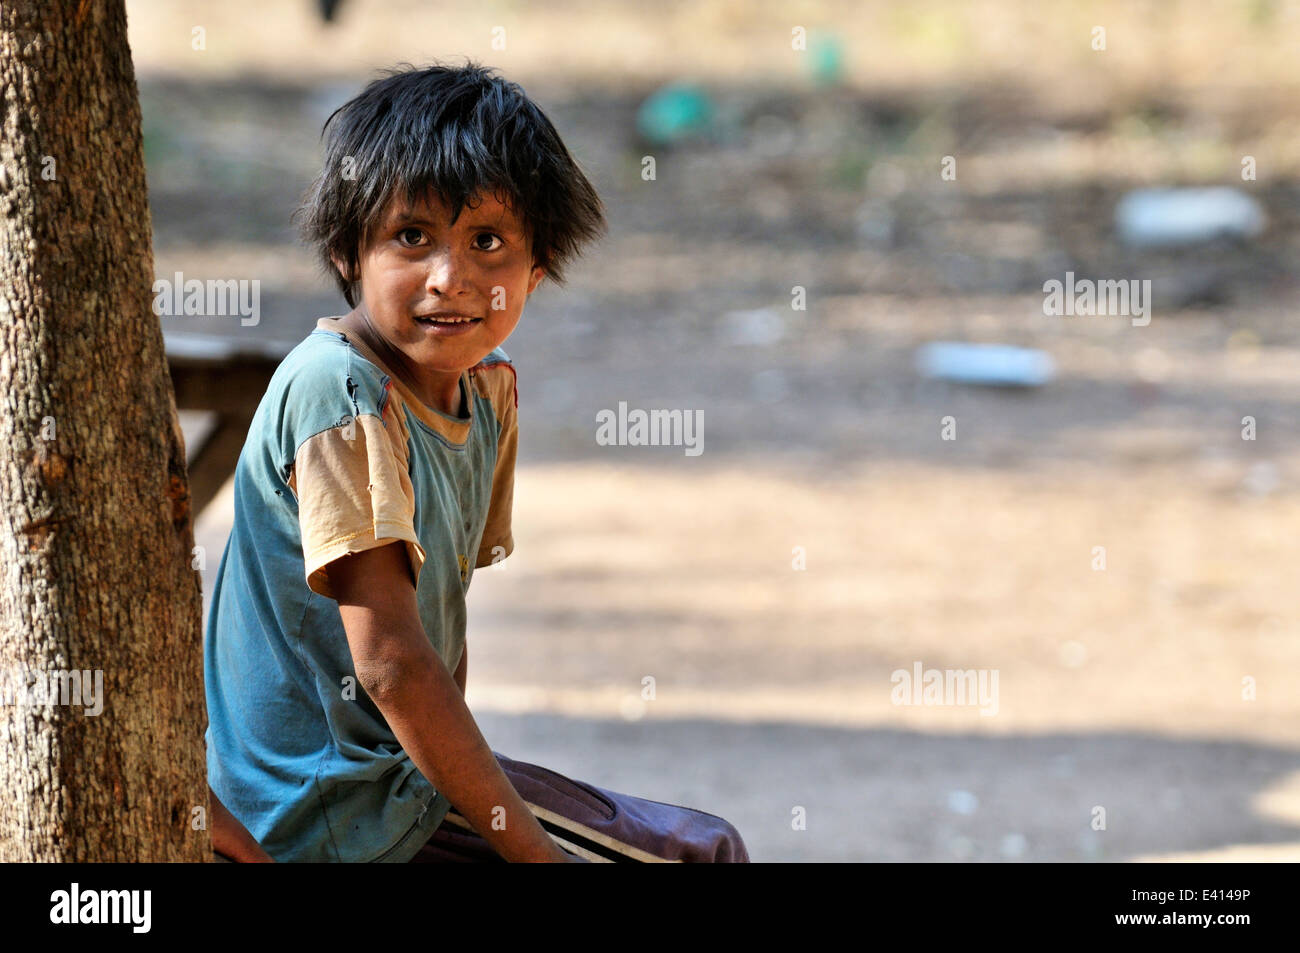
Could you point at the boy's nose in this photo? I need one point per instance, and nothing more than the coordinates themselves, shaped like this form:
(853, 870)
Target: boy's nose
(447, 273)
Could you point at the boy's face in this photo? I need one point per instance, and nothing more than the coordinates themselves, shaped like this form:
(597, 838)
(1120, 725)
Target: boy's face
(416, 264)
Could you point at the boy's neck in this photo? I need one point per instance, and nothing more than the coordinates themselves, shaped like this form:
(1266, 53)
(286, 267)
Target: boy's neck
(449, 401)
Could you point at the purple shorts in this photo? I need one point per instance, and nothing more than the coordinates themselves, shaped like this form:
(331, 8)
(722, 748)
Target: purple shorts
(602, 826)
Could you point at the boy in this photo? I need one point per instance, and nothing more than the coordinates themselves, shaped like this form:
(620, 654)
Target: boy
(377, 474)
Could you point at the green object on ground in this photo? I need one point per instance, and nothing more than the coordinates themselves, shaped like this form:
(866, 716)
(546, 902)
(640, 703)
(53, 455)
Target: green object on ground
(675, 112)
(826, 58)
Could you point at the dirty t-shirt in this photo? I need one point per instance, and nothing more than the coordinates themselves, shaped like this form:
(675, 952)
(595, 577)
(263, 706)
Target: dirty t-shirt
(341, 457)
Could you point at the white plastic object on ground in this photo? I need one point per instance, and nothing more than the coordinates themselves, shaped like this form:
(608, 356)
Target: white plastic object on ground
(1155, 217)
(985, 363)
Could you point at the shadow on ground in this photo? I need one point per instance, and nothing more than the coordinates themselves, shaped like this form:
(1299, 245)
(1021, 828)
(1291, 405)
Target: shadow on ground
(873, 795)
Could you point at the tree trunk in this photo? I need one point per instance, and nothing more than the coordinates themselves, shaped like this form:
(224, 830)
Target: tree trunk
(94, 496)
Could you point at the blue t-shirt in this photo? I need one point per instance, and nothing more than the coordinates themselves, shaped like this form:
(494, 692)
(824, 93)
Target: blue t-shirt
(341, 457)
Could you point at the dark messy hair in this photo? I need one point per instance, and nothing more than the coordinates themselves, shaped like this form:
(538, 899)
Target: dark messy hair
(452, 132)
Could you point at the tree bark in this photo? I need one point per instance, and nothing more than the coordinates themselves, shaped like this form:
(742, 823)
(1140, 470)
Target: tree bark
(94, 496)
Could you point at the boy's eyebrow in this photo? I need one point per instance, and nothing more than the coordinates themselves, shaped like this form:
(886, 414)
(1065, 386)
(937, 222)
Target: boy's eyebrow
(406, 217)
(409, 216)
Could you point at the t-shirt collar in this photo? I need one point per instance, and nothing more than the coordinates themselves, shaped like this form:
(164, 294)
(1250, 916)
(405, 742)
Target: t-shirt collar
(455, 429)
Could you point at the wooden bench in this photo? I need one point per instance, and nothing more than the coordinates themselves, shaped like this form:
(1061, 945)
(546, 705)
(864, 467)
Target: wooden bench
(227, 377)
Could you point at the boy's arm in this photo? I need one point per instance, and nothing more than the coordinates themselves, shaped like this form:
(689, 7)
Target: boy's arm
(231, 838)
(408, 682)
(460, 670)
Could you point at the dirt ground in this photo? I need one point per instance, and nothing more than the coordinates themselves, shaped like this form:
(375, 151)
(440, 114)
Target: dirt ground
(1125, 688)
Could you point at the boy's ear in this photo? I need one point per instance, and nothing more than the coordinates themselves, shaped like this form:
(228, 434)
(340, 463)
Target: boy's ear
(535, 278)
(342, 268)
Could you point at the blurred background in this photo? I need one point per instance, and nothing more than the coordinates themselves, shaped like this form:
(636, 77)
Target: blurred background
(1162, 684)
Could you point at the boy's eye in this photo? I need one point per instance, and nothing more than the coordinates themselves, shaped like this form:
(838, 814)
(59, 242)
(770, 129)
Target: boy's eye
(490, 236)
(410, 231)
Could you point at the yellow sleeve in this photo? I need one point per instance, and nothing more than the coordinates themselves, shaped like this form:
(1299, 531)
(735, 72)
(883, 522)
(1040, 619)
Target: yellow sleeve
(354, 493)
(498, 541)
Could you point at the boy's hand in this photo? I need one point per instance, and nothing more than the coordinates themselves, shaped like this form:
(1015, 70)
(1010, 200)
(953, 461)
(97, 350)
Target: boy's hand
(424, 707)
(231, 838)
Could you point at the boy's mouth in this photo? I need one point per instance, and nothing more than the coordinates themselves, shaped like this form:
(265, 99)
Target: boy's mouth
(446, 322)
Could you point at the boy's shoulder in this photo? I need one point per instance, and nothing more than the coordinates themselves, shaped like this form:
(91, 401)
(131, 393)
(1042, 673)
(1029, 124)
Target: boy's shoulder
(498, 356)
(494, 377)
(320, 384)
(328, 362)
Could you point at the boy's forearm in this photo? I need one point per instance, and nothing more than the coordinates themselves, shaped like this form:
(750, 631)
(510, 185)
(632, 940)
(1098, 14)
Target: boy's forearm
(230, 838)
(426, 710)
